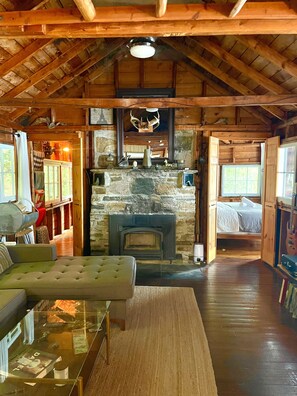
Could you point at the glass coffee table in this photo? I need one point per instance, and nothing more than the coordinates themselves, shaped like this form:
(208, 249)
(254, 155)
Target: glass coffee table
(53, 348)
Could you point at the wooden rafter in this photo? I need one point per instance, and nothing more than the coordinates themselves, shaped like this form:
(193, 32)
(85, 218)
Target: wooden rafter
(269, 11)
(86, 8)
(161, 6)
(90, 62)
(285, 124)
(179, 102)
(48, 69)
(23, 55)
(237, 7)
(203, 77)
(127, 21)
(270, 54)
(247, 70)
(231, 82)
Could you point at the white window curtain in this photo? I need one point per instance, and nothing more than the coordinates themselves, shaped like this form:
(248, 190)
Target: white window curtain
(23, 182)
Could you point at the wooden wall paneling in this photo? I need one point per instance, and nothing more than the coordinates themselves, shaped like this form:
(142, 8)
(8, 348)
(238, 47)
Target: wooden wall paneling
(240, 154)
(68, 116)
(187, 116)
(6, 137)
(129, 74)
(219, 115)
(158, 74)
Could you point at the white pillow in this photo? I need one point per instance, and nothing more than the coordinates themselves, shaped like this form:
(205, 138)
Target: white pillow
(5, 259)
(248, 202)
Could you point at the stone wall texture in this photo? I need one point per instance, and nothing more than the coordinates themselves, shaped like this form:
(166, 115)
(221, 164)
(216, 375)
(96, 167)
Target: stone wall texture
(142, 191)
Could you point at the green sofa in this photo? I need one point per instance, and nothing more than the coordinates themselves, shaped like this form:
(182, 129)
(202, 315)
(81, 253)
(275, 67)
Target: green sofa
(37, 270)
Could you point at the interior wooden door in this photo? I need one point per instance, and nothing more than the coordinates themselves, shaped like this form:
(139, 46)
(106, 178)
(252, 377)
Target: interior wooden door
(268, 253)
(212, 194)
(78, 196)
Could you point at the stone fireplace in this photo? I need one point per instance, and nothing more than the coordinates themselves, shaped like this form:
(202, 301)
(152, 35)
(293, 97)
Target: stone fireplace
(142, 195)
(144, 236)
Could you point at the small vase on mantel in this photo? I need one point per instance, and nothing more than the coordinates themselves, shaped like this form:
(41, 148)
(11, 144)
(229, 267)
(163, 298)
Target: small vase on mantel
(147, 162)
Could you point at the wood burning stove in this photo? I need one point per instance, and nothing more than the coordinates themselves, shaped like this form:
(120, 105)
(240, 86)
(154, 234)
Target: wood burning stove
(144, 236)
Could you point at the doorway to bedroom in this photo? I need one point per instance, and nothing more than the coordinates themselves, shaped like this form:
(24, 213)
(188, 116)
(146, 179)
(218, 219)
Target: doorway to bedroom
(239, 200)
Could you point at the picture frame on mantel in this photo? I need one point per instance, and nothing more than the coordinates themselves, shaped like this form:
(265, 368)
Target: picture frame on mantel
(100, 116)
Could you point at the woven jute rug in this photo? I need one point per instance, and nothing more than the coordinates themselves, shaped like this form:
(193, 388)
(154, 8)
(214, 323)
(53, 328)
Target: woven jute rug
(164, 350)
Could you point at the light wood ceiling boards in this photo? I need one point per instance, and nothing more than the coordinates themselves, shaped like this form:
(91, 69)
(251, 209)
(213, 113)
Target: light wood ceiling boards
(53, 48)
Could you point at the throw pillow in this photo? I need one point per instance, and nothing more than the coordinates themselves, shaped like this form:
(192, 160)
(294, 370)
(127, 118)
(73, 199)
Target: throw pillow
(5, 259)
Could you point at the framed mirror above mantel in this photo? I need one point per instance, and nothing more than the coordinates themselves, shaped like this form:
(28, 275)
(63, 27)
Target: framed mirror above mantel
(140, 128)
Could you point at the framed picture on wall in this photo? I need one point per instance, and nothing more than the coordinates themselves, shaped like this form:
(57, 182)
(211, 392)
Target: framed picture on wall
(101, 116)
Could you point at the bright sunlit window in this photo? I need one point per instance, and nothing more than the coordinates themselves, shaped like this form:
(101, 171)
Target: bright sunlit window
(7, 173)
(286, 171)
(240, 180)
(57, 181)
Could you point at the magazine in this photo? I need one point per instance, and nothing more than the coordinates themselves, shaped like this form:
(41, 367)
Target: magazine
(32, 363)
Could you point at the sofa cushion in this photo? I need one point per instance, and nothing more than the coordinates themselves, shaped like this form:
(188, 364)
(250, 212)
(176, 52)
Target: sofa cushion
(5, 259)
(81, 277)
(10, 302)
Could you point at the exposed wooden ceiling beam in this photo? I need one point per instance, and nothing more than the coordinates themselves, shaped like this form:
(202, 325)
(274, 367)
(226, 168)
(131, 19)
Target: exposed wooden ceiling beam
(241, 135)
(179, 102)
(285, 124)
(218, 88)
(86, 8)
(179, 19)
(238, 64)
(49, 135)
(23, 55)
(249, 130)
(157, 28)
(143, 13)
(49, 68)
(40, 4)
(237, 7)
(231, 82)
(161, 6)
(90, 62)
(270, 54)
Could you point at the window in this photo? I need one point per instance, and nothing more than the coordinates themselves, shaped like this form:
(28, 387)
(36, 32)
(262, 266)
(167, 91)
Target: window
(7, 173)
(66, 169)
(241, 180)
(286, 171)
(57, 181)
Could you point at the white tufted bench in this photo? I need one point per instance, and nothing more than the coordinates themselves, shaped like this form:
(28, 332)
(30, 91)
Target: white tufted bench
(37, 269)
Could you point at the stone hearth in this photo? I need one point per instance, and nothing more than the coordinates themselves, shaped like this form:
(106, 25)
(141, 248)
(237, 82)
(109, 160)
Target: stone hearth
(141, 191)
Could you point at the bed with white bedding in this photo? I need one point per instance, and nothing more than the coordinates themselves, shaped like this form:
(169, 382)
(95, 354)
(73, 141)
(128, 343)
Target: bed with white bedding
(242, 218)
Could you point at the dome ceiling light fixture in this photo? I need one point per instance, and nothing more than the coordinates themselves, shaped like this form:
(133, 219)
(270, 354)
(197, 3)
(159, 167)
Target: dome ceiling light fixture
(142, 47)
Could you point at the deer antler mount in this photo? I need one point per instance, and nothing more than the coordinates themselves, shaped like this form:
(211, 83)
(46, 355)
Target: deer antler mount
(147, 125)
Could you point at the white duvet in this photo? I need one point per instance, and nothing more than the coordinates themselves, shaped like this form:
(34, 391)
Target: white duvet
(238, 216)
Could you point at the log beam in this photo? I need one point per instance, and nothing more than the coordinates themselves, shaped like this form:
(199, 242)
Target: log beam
(270, 11)
(161, 6)
(127, 21)
(162, 103)
(86, 8)
(269, 53)
(230, 81)
(237, 7)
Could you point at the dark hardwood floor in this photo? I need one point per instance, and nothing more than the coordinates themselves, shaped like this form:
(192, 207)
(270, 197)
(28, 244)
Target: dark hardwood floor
(252, 339)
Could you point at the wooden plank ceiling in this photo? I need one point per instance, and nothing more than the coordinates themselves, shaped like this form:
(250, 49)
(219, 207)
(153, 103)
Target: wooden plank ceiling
(50, 49)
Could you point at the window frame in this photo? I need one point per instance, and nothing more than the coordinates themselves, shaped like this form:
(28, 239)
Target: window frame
(57, 183)
(3, 197)
(235, 194)
(280, 198)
